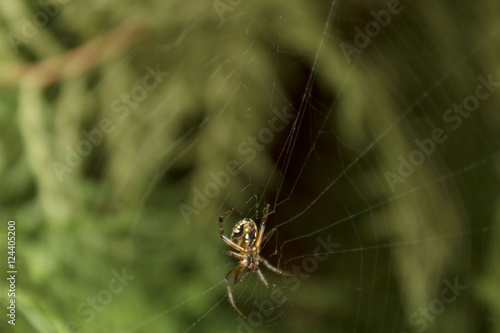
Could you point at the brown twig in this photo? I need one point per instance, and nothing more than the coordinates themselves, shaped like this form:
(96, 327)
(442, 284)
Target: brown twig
(74, 62)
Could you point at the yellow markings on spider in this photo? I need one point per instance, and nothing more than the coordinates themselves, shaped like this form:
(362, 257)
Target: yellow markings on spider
(247, 236)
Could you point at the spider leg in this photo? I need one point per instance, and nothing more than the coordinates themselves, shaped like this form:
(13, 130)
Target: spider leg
(236, 255)
(224, 215)
(229, 293)
(263, 279)
(231, 243)
(262, 227)
(266, 236)
(275, 269)
(266, 212)
(221, 231)
(238, 278)
(221, 219)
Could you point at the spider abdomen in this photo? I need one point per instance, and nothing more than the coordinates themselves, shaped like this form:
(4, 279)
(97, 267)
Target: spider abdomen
(245, 233)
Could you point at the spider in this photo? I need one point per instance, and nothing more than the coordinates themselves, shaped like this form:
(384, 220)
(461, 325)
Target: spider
(247, 240)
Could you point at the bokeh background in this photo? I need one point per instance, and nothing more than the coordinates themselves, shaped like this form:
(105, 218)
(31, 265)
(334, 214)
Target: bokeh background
(114, 114)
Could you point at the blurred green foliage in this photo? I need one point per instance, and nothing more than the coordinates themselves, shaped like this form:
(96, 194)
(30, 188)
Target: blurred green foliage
(87, 212)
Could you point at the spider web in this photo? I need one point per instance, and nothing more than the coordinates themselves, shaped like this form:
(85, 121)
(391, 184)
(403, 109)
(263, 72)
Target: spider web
(376, 145)
(373, 208)
(355, 224)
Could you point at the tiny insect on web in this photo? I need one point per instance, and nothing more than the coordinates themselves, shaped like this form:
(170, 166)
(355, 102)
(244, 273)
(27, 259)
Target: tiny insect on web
(247, 240)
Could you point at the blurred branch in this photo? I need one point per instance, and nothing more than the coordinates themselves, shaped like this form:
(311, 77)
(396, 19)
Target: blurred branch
(75, 62)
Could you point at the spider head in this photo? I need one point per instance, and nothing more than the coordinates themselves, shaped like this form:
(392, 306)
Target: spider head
(245, 233)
